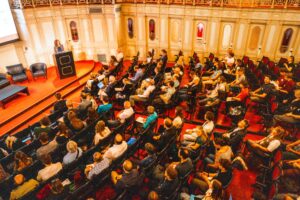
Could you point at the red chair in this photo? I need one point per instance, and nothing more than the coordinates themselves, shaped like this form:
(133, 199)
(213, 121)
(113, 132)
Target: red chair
(265, 60)
(245, 60)
(211, 56)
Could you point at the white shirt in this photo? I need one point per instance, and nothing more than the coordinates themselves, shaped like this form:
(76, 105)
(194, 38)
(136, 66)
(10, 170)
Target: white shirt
(147, 92)
(115, 151)
(229, 61)
(49, 171)
(273, 145)
(99, 137)
(125, 114)
(208, 127)
(70, 157)
(214, 92)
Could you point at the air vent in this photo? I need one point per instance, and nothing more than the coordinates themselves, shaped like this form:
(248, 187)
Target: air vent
(95, 10)
(101, 58)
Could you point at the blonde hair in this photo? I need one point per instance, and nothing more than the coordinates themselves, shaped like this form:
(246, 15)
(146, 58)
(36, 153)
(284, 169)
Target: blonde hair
(72, 146)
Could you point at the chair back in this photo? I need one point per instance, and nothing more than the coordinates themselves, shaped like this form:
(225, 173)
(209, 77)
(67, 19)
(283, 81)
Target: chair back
(15, 69)
(38, 67)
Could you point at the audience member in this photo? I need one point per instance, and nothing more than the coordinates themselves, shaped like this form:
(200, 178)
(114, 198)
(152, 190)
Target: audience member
(76, 124)
(92, 116)
(119, 147)
(21, 161)
(144, 92)
(22, 187)
(102, 132)
(129, 179)
(105, 106)
(122, 115)
(45, 127)
(74, 152)
(100, 164)
(60, 104)
(50, 169)
(178, 120)
(12, 143)
(46, 145)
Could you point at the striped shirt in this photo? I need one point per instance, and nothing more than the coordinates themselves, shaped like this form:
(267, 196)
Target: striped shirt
(98, 168)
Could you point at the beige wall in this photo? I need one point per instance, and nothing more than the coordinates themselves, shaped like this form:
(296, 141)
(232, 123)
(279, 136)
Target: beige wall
(176, 28)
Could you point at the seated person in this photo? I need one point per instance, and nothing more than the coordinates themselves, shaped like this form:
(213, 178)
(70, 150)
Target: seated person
(222, 151)
(122, 115)
(144, 92)
(23, 187)
(212, 96)
(293, 116)
(209, 124)
(151, 118)
(240, 77)
(194, 144)
(203, 181)
(105, 106)
(124, 90)
(92, 116)
(149, 159)
(162, 138)
(263, 93)
(290, 66)
(168, 92)
(63, 134)
(51, 169)
(115, 151)
(109, 89)
(70, 107)
(238, 99)
(191, 135)
(185, 92)
(139, 72)
(46, 145)
(76, 124)
(45, 127)
(178, 120)
(292, 151)
(185, 165)
(212, 79)
(129, 179)
(74, 152)
(234, 137)
(112, 64)
(268, 144)
(57, 190)
(97, 167)
(84, 105)
(60, 104)
(284, 87)
(12, 143)
(102, 132)
(169, 183)
(21, 161)
(214, 192)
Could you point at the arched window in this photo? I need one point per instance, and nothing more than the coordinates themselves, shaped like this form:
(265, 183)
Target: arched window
(286, 39)
(74, 32)
(200, 30)
(255, 35)
(130, 27)
(226, 36)
(152, 29)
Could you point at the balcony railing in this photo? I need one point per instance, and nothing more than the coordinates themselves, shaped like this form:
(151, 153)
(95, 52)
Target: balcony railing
(289, 4)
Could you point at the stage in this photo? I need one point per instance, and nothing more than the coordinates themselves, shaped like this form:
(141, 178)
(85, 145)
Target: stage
(41, 92)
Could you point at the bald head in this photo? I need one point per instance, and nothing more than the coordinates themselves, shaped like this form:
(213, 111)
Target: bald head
(153, 195)
(19, 179)
(118, 139)
(127, 104)
(127, 166)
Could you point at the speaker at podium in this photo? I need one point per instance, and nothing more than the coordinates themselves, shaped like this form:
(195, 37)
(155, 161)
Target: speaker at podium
(65, 66)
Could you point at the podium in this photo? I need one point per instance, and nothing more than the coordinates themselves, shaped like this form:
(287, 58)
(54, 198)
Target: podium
(65, 66)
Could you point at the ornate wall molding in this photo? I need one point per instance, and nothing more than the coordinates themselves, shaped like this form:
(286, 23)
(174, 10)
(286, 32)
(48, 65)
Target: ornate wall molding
(277, 4)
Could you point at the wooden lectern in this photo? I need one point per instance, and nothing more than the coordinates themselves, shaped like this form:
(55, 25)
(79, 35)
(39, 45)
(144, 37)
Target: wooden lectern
(65, 66)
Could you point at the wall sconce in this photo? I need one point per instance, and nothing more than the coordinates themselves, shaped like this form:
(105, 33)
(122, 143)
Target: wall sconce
(259, 50)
